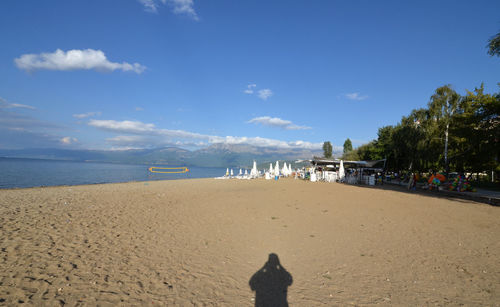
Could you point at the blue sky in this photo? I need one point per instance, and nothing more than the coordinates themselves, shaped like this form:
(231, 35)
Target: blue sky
(122, 74)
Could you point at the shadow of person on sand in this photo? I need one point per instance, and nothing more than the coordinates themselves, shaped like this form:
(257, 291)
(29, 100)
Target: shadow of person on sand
(271, 283)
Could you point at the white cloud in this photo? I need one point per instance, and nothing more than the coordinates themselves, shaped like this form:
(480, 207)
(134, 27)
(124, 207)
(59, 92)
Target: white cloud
(136, 127)
(179, 7)
(17, 137)
(131, 141)
(67, 140)
(144, 133)
(183, 7)
(276, 122)
(85, 115)
(123, 126)
(5, 104)
(18, 130)
(141, 141)
(265, 93)
(264, 142)
(355, 96)
(262, 94)
(249, 89)
(139, 109)
(149, 6)
(73, 60)
(11, 119)
(18, 105)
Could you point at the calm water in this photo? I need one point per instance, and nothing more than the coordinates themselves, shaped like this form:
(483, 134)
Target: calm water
(23, 173)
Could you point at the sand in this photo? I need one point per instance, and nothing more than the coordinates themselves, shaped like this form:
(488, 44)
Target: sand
(199, 242)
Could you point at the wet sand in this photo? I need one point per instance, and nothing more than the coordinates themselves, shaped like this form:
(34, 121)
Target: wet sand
(199, 242)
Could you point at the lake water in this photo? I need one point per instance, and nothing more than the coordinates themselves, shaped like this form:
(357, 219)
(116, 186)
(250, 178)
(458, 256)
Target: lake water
(23, 173)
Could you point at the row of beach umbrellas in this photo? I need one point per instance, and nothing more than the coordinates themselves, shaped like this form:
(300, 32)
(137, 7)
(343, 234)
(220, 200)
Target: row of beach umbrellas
(286, 171)
(254, 173)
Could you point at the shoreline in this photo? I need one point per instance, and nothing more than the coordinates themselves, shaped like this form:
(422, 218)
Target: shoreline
(93, 184)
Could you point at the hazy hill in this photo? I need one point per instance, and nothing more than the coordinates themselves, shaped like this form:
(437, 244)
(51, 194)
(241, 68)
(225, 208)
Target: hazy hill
(217, 155)
(223, 155)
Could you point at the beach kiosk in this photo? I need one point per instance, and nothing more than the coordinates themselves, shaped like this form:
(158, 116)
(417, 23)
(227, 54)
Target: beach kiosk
(356, 172)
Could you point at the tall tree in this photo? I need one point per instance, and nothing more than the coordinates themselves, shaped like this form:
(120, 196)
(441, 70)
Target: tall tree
(479, 127)
(327, 149)
(347, 145)
(494, 45)
(386, 147)
(467, 127)
(443, 105)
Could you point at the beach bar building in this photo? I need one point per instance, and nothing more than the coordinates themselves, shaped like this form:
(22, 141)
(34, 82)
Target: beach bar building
(356, 172)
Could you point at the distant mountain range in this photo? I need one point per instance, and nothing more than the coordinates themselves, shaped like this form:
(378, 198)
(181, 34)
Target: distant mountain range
(217, 155)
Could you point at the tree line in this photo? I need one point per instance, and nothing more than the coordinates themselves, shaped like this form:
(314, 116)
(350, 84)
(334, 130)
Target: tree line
(454, 133)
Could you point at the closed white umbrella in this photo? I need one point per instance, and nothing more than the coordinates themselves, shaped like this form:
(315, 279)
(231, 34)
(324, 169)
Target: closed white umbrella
(341, 171)
(277, 169)
(232, 172)
(285, 170)
(253, 172)
(227, 171)
(271, 170)
(240, 172)
(290, 169)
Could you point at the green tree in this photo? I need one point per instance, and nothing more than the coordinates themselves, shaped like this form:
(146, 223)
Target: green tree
(443, 105)
(494, 45)
(462, 131)
(368, 151)
(385, 145)
(347, 145)
(327, 149)
(477, 126)
(351, 155)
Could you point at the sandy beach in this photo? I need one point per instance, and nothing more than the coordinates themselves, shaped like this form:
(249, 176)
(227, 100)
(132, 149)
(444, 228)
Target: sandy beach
(200, 242)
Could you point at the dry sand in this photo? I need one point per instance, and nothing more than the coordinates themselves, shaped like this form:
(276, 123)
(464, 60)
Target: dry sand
(198, 242)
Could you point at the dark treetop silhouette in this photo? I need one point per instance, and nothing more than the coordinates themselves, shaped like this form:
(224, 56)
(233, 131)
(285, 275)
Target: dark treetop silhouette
(271, 283)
